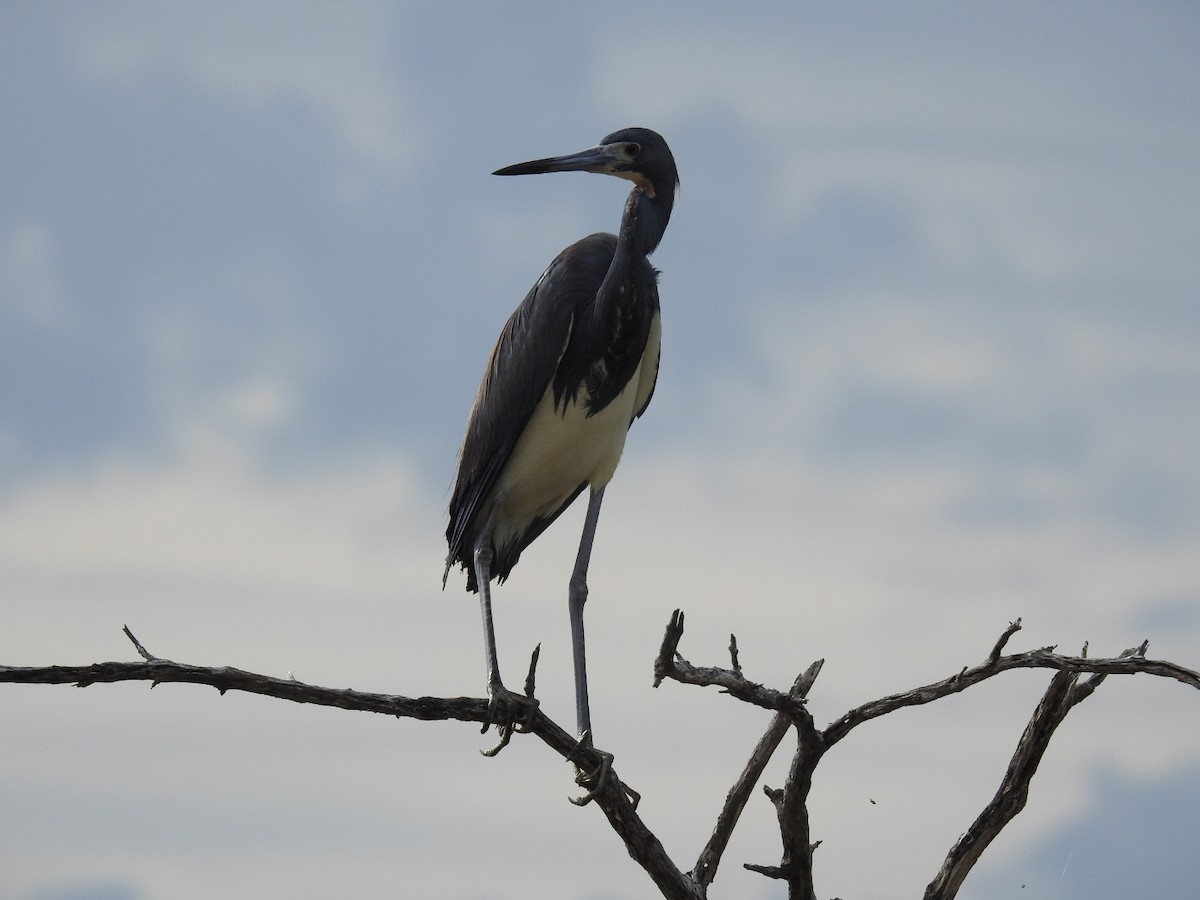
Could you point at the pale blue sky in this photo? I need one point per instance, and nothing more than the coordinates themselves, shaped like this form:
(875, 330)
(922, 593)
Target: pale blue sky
(931, 302)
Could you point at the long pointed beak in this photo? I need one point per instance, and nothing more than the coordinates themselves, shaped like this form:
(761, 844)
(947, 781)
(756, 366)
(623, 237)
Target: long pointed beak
(597, 159)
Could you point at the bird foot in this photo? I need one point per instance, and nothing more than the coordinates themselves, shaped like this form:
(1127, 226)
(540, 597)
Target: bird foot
(596, 780)
(511, 712)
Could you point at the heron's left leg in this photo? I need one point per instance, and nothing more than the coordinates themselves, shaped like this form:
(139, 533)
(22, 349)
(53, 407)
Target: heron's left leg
(576, 597)
(596, 780)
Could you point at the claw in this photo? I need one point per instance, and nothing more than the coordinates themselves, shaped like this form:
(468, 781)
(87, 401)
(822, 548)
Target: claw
(510, 713)
(596, 780)
(505, 737)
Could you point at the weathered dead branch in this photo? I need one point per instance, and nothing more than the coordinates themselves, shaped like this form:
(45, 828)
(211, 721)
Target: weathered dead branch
(617, 800)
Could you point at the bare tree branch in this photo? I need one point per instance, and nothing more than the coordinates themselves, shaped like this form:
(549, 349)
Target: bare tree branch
(1013, 628)
(790, 802)
(791, 807)
(671, 664)
(142, 651)
(1044, 658)
(735, 801)
(1013, 792)
(614, 798)
(1064, 692)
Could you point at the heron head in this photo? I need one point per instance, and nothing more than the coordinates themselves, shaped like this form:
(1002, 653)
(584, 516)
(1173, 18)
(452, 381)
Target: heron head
(637, 154)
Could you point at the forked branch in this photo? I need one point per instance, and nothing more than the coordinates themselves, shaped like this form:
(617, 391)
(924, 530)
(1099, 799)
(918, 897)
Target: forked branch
(790, 802)
(614, 798)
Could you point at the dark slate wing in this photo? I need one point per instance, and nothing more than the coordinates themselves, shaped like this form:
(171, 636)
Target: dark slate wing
(521, 368)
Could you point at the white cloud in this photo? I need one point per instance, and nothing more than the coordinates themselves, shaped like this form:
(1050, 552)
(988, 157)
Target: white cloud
(213, 513)
(334, 572)
(897, 565)
(335, 60)
(29, 280)
(1001, 165)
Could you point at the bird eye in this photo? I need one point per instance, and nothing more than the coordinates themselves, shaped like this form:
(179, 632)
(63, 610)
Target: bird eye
(633, 149)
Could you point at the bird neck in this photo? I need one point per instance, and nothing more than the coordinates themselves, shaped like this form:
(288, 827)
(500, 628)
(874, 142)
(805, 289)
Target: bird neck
(645, 220)
(642, 227)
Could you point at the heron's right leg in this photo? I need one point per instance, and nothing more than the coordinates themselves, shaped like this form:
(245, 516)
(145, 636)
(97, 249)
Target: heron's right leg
(504, 707)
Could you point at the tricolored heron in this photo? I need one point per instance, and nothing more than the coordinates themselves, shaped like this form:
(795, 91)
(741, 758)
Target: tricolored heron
(574, 366)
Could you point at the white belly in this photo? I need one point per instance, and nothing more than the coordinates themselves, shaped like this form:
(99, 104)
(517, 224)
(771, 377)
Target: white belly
(557, 452)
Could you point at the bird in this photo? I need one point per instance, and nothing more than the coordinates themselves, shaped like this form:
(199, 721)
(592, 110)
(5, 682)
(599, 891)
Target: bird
(574, 366)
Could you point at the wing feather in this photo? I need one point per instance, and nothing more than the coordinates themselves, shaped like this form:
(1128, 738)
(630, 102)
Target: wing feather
(520, 370)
